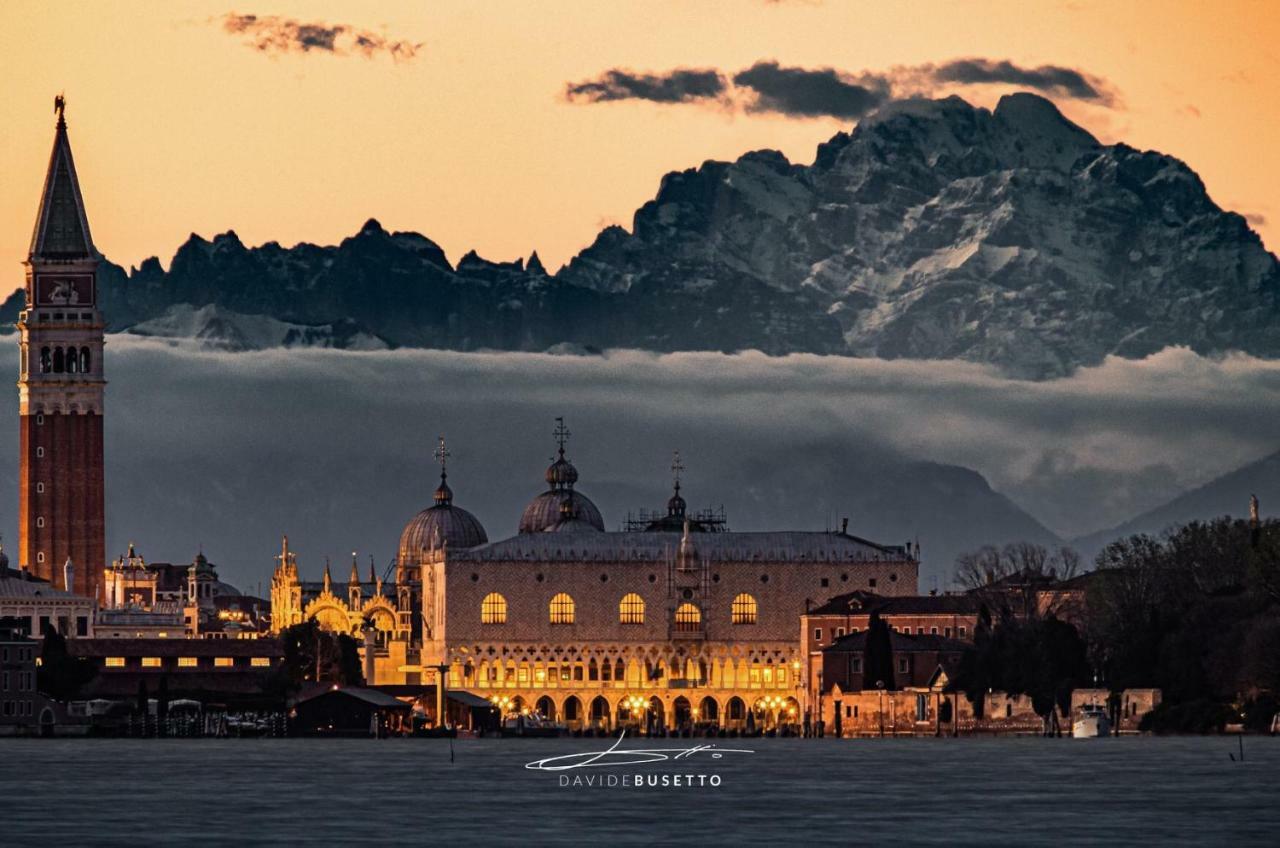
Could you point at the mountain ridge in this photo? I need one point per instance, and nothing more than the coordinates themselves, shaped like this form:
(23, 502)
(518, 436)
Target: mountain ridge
(932, 230)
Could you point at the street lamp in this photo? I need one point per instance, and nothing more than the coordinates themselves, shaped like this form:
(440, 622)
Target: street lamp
(880, 709)
(636, 707)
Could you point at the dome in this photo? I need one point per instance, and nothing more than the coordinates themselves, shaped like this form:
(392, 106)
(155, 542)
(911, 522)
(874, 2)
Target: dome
(561, 473)
(439, 525)
(546, 512)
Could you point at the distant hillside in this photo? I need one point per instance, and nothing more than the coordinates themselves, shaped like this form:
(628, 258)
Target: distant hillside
(1226, 495)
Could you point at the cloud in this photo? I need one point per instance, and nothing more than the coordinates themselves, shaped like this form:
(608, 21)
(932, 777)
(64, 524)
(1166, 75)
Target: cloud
(770, 87)
(683, 85)
(277, 36)
(1051, 79)
(334, 447)
(810, 93)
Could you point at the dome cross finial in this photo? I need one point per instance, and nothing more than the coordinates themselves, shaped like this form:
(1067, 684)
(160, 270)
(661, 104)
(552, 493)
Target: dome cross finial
(677, 467)
(442, 456)
(561, 434)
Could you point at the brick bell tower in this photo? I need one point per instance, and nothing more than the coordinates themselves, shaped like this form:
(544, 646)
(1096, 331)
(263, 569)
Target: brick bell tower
(60, 498)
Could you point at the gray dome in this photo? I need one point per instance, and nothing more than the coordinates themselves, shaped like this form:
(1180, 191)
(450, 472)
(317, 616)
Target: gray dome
(547, 512)
(439, 525)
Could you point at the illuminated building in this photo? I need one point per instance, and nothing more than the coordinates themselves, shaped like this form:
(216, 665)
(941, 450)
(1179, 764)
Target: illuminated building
(674, 622)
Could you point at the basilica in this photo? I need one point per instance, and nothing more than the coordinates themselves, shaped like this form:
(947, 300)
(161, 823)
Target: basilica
(673, 620)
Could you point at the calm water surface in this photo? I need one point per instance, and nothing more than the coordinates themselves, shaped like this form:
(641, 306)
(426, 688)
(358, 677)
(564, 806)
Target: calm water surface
(866, 792)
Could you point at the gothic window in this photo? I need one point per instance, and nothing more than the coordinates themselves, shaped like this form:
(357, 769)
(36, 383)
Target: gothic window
(73, 361)
(744, 609)
(493, 609)
(84, 360)
(593, 670)
(606, 671)
(688, 617)
(562, 609)
(58, 361)
(631, 610)
(619, 670)
(46, 361)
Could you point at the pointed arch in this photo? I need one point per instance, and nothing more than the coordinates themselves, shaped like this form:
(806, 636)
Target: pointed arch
(744, 609)
(493, 609)
(562, 609)
(631, 609)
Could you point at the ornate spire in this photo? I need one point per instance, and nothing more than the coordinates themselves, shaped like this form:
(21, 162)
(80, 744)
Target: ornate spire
(561, 434)
(444, 495)
(61, 232)
(354, 579)
(328, 578)
(373, 572)
(676, 505)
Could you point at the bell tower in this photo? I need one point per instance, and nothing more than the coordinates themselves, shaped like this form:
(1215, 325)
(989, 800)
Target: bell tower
(60, 387)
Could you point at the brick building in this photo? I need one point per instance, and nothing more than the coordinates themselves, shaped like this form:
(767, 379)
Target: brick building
(60, 389)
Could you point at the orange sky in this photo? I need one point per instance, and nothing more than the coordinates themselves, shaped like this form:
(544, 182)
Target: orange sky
(178, 127)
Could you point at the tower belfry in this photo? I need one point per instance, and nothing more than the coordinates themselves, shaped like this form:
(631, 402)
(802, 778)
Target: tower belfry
(60, 386)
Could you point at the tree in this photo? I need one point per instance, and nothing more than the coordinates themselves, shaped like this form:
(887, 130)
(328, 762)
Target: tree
(1018, 579)
(60, 675)
(313, 654)
(877, 661)
(1043, 658)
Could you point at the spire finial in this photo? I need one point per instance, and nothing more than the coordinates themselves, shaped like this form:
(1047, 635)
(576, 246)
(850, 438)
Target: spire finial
(561, 434)
(442, 456)
(443, 494)
(677, 467)
(60, 106)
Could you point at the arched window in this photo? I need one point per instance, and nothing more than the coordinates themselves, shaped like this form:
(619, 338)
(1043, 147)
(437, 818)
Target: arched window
(493, 609)
(58, 361)
(631, 609)
(562, 609)
(744, 609)
(688, 617)
(84, 360)
(73, 361)
(46, 360)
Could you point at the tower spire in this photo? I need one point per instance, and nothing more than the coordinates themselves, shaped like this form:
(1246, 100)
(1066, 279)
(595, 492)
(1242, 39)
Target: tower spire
(61, 231)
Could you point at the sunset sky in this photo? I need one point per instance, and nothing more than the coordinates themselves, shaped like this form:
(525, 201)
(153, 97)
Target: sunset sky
(453, 119)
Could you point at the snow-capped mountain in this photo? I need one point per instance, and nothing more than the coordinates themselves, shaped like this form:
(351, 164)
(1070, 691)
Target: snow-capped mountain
(933, 230)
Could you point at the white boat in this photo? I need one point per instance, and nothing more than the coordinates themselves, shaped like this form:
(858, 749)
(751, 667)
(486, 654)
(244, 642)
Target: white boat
(1092, 723)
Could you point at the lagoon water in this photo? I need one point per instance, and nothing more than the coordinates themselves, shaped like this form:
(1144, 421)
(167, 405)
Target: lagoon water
(1023, 791)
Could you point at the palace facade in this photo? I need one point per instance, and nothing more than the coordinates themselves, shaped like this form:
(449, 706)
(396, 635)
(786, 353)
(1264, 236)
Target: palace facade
(674, 621)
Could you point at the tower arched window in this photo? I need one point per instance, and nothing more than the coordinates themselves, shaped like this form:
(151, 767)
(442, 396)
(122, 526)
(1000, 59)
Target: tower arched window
(59, 364)
(744, 609)
(631, 609)
(688, 617)
(46, 360)
(73, 361)
(85, 360)
(562, 609)
(493, 609)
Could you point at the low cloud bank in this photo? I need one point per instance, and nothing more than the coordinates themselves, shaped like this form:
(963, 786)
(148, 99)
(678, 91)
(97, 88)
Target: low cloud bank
(230, 450)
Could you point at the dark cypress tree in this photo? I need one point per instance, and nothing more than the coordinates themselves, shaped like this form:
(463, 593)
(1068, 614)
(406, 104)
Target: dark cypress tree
(877, 662)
